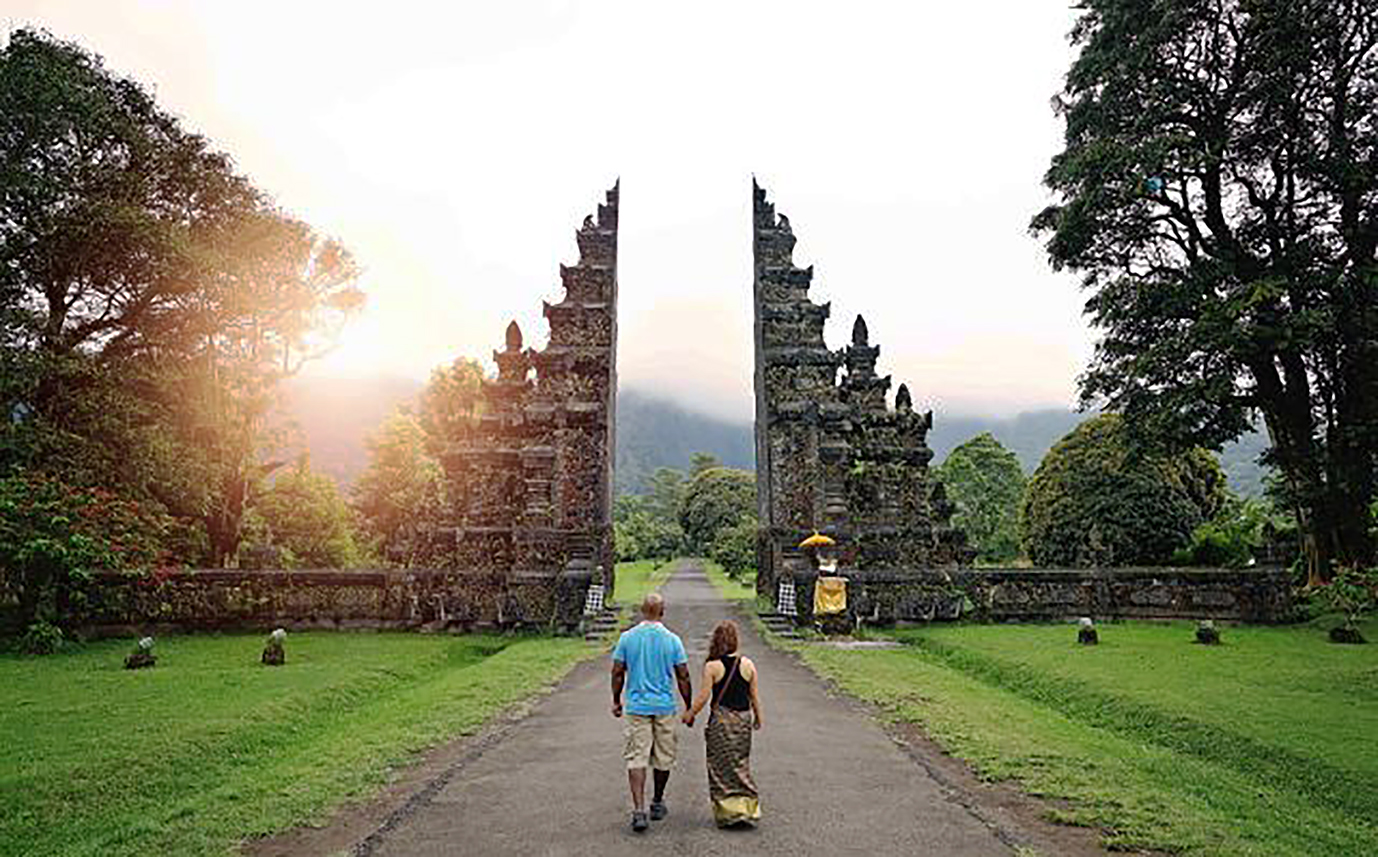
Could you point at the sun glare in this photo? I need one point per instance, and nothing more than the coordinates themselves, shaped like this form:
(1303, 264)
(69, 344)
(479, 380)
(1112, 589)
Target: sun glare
(363, 350)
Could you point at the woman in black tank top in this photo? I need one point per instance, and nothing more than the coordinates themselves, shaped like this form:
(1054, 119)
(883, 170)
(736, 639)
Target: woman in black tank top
(730, 684)
(733, 691)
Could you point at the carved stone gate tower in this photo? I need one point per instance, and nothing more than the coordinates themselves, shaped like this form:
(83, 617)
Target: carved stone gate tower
(832, 455)
(531, 486)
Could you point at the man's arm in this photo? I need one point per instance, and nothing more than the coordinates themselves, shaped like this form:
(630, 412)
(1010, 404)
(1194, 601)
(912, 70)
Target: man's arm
(686, 690)
(619, 678)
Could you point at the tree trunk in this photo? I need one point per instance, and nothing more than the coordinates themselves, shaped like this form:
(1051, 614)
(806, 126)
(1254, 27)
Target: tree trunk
(1351, 493)
(224, 525)
(1331, 505)
(1290, 433)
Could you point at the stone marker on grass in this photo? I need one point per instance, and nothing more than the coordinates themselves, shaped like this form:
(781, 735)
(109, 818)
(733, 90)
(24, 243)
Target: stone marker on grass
(1086, 632)
(273, 653)
(1206, 633)
(142, 656)
(1346, 634)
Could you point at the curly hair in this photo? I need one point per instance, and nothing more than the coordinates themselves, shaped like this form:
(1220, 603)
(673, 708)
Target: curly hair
(725, 640)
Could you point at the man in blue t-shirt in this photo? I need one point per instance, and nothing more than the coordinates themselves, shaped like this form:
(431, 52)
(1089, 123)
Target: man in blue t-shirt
(649, 660)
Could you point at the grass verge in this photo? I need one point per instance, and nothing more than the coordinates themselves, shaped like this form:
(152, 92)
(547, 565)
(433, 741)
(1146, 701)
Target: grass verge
(1261, 746)
(209, 748)
(741, 591)
(636, 580)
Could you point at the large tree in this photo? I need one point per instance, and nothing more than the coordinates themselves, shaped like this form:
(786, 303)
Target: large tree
(451, 404)
(1099, 500)
(1219, 193)
(986, 482)
(402, 490)
(715, 499)
(303, 516)
(138, 268)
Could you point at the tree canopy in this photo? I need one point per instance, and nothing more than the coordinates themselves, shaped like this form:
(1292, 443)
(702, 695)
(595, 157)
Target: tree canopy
(451, 403)
(715, 499)
(1098, 500)
(152, 298)
(401, 490)
(1218, 190)
(712, 513)
(647, 526)
(302, 515)
(985, 481)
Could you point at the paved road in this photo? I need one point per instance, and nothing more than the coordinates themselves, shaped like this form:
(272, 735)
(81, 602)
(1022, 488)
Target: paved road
(831, 781)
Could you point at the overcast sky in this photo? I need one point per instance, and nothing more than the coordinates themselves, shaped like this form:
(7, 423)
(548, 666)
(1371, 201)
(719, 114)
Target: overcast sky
(455, 148)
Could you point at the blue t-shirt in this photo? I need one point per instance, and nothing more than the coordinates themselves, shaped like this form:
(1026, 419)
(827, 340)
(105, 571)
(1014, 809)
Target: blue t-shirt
(651, 652)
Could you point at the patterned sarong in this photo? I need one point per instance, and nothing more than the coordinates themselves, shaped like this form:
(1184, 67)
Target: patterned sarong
(785, 601)
(730, 786)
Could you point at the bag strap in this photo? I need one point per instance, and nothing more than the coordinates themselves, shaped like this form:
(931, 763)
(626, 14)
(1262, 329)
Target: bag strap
(728, 680)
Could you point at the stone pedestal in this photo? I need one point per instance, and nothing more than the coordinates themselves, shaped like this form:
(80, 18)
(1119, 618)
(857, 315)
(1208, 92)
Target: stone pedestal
(274, 655)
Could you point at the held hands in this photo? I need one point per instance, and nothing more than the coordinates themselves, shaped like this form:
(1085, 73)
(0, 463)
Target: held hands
(688, 719)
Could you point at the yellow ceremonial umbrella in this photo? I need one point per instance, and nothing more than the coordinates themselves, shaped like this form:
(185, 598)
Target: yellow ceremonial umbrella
(816, 540)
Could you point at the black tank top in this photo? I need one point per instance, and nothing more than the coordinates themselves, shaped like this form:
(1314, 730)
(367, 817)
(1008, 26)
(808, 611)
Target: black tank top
(737, 694)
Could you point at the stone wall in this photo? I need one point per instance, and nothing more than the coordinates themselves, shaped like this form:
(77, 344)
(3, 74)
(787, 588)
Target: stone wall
(440, 600)
(882, 597)
(412, 599)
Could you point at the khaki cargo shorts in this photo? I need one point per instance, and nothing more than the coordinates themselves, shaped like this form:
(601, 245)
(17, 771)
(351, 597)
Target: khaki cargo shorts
(650, 741)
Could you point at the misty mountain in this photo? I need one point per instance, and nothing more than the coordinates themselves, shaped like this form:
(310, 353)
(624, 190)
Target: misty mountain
(335, 415)
(1028, 435)
(654, 432)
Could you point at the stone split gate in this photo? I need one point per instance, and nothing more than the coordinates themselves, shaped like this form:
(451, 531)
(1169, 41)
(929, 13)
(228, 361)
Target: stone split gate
(529, 533)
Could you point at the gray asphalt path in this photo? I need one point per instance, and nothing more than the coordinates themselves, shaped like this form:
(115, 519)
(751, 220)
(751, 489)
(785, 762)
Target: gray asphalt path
(831, 781)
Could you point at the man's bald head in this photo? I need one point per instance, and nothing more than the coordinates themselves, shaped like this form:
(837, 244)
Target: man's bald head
(654, 606)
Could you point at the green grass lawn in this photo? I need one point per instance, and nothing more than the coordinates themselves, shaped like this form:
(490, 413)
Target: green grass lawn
(731, 589)
(209, 747)
(636, 580)
(1267, 744)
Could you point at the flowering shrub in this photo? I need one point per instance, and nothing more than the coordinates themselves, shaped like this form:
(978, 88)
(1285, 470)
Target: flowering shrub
(54, 536)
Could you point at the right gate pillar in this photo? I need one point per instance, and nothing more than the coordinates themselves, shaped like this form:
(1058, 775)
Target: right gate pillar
(833, 454)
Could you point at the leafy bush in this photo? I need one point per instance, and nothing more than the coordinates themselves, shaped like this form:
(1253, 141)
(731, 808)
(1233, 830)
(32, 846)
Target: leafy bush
(41, 638)
(1096, 500)
(402, 490)
(303, 515)
(1353, 593)
(643, 535)
(735, 548)
(54, 536)
(1233, 537)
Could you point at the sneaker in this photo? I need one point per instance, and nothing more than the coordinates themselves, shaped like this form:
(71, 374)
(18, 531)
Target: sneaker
(639, 822)
(658, 810)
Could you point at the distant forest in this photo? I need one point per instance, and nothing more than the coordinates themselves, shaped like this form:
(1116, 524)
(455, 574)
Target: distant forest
(335, 415)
